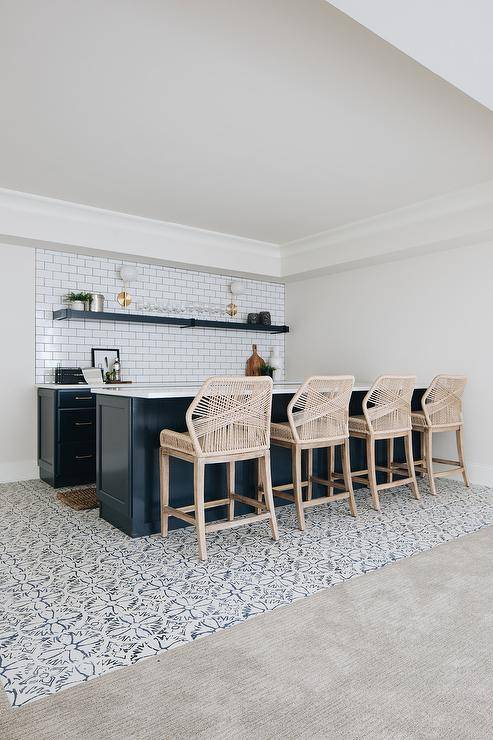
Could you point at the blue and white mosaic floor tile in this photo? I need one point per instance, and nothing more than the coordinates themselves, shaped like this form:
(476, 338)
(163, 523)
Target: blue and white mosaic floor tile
(78, 598)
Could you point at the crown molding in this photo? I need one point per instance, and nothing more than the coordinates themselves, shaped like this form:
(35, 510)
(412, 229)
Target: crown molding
(456, 219)
(34, 220)
(461, 218)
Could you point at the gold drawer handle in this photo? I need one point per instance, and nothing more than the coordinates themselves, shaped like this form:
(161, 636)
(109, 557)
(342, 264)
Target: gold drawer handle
(83, 423)
(83, 457)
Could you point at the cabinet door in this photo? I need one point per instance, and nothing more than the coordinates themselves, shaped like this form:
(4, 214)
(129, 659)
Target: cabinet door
(114, 452)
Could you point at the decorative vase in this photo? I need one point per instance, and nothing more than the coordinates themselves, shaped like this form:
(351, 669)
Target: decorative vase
(97, 302)
(264, 318)
(255, 363)
(252, 318)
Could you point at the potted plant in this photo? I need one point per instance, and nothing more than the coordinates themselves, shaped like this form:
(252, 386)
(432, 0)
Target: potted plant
(78, 301)
(267, 369)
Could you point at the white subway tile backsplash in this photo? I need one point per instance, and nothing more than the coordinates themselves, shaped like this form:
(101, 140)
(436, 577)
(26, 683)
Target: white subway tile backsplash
(149, 353)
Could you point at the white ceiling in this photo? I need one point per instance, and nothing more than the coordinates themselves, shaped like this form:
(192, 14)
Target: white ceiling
(450, 37)
(263, 118)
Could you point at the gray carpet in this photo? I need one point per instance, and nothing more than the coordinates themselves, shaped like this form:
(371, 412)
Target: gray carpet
(404, 652)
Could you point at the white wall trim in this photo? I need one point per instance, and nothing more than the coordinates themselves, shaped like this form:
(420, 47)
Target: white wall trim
(455, 219)
(461, 218)
(35, 220)
(479, 475)
(11, 472)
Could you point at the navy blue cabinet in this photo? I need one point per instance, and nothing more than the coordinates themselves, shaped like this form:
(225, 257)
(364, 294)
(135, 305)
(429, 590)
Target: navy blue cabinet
(66, 436)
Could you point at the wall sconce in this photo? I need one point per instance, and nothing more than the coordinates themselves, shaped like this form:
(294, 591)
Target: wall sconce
(235, 289)
(127, 273)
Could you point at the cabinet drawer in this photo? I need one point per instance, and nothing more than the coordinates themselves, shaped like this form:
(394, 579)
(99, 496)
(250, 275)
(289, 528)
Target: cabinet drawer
(78, 462)
(83, 399)
(77, 426)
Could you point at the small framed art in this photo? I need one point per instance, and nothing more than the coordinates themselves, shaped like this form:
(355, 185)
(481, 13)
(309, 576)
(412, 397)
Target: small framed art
(104, 359)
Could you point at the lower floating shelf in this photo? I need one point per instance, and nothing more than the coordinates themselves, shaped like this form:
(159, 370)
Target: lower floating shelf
(134, 318)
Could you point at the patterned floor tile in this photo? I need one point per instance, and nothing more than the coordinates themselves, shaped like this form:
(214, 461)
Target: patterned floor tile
(79, 598)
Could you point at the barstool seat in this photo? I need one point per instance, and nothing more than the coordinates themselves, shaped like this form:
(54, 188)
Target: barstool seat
(418, 419)
(357, 424)
(281, 431)
(228, 421)
(176, 440)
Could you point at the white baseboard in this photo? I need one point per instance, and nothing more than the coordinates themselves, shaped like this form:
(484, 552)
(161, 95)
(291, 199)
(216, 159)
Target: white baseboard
(480, 475)
(18, 470)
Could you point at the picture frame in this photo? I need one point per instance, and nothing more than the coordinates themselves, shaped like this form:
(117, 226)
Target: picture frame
(104, 359)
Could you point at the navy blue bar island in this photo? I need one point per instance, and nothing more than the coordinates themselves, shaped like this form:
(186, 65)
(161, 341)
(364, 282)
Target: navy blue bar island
(128, 423)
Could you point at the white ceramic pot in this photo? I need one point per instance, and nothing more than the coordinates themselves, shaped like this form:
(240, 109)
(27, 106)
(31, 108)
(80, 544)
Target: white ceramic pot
(78, 305)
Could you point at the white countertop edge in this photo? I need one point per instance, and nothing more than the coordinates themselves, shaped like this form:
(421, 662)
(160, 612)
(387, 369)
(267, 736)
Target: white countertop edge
(169, 391)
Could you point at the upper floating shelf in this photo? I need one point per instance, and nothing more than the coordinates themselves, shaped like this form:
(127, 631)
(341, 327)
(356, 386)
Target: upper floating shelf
(134, 318)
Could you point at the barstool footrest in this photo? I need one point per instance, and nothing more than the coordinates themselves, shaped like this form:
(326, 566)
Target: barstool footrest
(207, 505)
(288, 486)
(445, 473)
(253, 502)
(331, 483)
(183, 511)
(441, 461)
(359, 479)
(250, 519)
(394, 484)
(326, 499)
(283, 494)
(340, 476)
(179, 514)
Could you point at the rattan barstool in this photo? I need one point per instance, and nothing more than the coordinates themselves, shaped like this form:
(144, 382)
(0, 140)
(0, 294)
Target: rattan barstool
(441, 412)
(386, 415)
(317, 418)
(228, 421)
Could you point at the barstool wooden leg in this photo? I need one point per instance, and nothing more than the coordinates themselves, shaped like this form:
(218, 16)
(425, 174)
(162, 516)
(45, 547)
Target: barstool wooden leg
(264, 466)
(230, 477)
(260, 485)
(460, 451)
(199, 477)
(348, 481)
(428, 456)
(297, 489)
(372, 473)
(408, 445)
(330, 469)
(422, 454)
(164, 487)
(390, 459)
(309, 473)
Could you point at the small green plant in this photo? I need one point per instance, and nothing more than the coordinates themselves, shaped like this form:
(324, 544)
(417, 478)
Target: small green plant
(267, 370)
(84, 297)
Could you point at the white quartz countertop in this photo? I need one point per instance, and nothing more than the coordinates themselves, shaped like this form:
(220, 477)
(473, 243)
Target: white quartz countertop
(79, 386)
(172, 390)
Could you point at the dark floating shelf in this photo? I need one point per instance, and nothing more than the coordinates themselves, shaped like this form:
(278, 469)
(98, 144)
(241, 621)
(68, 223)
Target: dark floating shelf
(134, 318)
